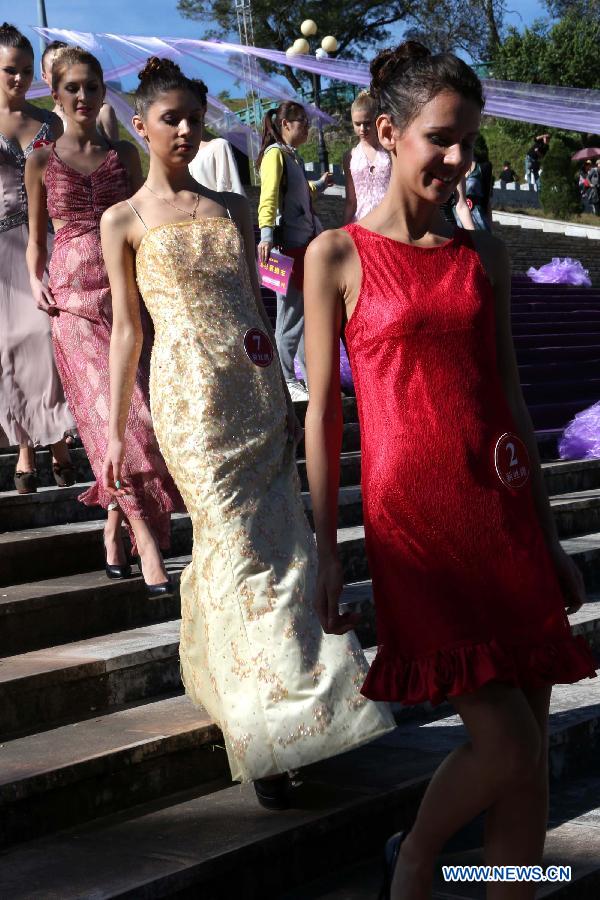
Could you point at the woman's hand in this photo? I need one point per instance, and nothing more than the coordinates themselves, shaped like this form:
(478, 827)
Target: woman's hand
(43, 297)
(328, 179)
(264, 251)
(570, 579)
(111, 470)
(330, 583)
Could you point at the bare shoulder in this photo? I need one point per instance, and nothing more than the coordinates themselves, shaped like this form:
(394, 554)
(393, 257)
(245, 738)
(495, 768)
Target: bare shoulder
(494, 255)
(118, 218)
(38, 158)
(333, 247)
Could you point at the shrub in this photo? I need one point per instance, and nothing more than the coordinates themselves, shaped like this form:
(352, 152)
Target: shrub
(559, 193)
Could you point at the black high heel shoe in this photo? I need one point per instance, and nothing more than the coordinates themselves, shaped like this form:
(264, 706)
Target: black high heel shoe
(274, 793)
(117, 571)
(165, 588)
(390, 858)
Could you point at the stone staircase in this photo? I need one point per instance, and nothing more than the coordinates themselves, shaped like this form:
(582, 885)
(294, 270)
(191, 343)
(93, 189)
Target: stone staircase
(112, 785)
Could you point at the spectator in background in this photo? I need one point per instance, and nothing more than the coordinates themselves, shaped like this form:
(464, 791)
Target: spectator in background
(532, 167)
(214, 165)
(508, 174)
(589, 187)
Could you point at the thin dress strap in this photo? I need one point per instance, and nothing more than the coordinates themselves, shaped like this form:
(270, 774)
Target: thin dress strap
(225, 205)
(137, 213)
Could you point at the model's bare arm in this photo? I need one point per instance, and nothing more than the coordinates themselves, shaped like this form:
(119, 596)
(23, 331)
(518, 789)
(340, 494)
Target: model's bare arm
(108, 122)
(350, 202)
(37, 245)
(126, 336)
(323, 310)
(497, 263)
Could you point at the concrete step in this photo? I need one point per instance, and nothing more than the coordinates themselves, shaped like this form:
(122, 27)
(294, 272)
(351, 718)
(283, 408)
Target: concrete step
(71, 682)
(546, 391)
(62, 550)
(43, 461)
(222, 844)
(75, 607)
(573, 839)
(59, 506)
(95, 767)
(563, 339)
(559, 414)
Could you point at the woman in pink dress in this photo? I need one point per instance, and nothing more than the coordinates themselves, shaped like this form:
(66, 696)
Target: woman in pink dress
(367, 166)
(75, 181)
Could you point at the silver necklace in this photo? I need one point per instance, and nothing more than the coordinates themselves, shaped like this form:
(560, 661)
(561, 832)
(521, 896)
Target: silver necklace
(179, 208)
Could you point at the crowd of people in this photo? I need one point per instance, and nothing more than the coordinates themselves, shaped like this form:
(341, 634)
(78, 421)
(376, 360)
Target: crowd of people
(137, 319)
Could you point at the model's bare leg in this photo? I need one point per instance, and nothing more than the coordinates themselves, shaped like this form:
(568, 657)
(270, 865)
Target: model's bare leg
(502, 754)
(154, 571)
(515, 825)
(26, 459)
(113, 539)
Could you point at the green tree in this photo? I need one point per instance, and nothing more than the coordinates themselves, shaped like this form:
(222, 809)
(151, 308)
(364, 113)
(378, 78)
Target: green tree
(559, 193)
(564, 54)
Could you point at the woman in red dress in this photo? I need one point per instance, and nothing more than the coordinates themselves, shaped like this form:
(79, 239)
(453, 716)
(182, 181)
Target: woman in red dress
(470, 583)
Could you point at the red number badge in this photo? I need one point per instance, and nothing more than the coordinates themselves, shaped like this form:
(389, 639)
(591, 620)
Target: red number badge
(512, 461)
(258, 347)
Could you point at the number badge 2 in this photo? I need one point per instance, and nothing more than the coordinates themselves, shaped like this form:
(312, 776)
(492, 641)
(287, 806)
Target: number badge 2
(511, 460)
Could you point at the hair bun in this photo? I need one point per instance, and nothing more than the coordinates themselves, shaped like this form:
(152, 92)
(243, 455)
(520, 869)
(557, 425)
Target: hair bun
(389, 63)
(157, 67)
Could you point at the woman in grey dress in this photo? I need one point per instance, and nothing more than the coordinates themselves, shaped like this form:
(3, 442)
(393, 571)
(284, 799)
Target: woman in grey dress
(33, 409)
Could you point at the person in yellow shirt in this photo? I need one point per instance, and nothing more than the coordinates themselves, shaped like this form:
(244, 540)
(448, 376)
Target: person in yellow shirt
(286, 220)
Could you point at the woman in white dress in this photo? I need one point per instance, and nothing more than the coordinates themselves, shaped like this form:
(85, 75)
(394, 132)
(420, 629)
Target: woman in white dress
(214, 165)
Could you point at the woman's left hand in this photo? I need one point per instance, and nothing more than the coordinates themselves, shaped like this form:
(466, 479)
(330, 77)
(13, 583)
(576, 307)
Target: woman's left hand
(571, 581)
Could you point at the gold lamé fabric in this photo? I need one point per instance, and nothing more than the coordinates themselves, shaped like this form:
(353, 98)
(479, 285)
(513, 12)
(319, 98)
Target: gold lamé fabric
(252, 651)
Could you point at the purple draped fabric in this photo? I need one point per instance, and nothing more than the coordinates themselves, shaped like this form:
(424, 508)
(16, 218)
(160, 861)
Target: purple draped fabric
(561, 107)
(561, 271)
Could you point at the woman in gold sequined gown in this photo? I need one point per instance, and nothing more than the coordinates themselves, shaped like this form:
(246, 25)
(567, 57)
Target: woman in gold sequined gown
(252, 651)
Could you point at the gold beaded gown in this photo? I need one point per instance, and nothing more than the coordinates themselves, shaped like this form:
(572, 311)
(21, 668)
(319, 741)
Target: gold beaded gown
(252, 651)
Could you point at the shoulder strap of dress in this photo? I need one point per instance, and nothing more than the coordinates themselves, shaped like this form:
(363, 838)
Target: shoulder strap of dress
(224, 202)
(132, 207)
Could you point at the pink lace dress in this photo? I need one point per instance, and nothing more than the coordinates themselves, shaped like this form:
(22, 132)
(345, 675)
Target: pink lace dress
(370, 179)
(81, 337)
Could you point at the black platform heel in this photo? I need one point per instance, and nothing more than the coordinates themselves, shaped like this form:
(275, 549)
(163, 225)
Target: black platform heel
(117, 571)
(164, 589)
(274, 793)
(390, 858)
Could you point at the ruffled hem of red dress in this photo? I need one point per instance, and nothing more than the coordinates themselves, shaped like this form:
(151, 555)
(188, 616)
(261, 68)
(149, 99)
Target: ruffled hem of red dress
(463, 670)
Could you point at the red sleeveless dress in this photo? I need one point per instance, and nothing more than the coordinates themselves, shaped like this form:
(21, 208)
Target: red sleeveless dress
(464, 587)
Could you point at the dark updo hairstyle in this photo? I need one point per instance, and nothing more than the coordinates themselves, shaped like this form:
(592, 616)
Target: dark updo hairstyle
(71, 56)
(272, 121)
(159, 76)
(12, 37)
(403, 80)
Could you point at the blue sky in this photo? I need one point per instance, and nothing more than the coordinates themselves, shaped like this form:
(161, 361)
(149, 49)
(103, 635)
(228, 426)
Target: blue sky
(160, 18)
